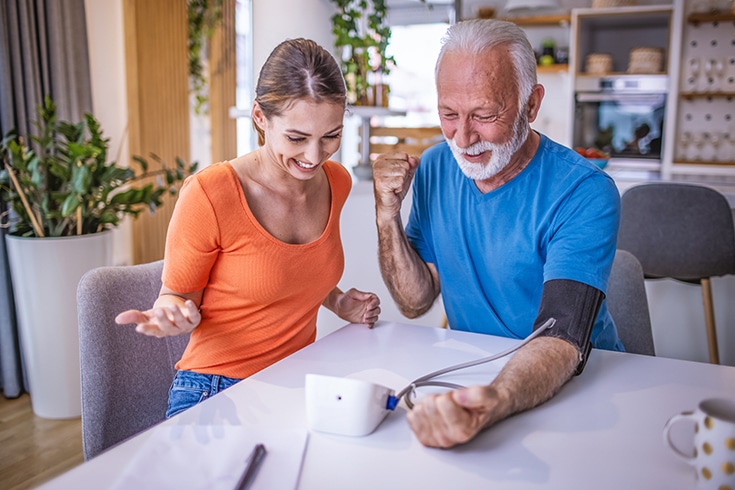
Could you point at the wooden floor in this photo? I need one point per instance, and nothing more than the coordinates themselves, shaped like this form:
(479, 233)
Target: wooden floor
(33, 449)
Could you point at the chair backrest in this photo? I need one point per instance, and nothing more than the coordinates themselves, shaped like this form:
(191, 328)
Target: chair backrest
(628, 305)
(413, 141)
(678, 230)
(125, 375)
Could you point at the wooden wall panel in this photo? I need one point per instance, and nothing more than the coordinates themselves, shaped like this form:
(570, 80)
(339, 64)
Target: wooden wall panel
(223, 86)
(157, 70)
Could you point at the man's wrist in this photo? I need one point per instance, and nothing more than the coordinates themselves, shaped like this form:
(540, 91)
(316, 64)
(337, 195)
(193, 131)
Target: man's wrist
(499, 405)
(387, 218)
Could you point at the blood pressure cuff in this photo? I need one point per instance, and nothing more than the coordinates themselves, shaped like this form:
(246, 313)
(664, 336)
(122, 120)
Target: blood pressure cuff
(575, 306)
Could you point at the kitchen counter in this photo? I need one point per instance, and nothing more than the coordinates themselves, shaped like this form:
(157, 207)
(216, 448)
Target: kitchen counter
(626, 177)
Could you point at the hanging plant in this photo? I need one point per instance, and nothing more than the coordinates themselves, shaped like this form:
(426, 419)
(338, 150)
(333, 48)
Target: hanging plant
(204, 15)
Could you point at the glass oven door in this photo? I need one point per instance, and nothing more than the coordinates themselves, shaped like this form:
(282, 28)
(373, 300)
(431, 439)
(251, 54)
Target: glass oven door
(625, 125)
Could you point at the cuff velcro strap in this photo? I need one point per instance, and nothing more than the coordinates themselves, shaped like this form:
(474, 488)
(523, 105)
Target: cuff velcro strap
(575, 306)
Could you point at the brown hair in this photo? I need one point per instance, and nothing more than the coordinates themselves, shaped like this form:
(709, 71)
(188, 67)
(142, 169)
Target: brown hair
(297, 69)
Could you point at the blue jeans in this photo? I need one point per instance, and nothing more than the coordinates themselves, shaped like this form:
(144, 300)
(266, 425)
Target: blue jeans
(190, 388)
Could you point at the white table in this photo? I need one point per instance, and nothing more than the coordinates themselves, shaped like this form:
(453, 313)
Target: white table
(602, 431)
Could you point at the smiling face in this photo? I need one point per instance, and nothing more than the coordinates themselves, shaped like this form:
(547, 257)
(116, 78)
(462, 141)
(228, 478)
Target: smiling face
(479, 113)
(303, 136)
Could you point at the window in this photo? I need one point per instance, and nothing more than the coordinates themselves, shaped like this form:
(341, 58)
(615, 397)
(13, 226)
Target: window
(246, 137)
(415, 48)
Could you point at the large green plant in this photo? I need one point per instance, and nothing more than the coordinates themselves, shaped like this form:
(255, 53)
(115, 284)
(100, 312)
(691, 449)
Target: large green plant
(63, 185)
(361, 36)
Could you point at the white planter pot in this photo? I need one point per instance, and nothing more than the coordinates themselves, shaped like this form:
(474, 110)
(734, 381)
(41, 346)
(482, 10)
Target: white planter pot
(45, 273)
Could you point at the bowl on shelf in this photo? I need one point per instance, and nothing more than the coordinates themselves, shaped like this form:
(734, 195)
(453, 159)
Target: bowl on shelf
(594, 155)
(599, 162)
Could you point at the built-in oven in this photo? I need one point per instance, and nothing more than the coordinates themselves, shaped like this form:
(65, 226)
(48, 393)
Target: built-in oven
(622, 115)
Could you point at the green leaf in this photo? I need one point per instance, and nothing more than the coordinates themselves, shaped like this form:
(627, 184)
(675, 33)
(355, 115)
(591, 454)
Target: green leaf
(109, 217)
(71, 203)
(81, 179)
(142, 162)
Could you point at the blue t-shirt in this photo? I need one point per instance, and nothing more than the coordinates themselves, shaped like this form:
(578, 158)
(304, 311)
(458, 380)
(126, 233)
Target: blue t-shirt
(557, 219)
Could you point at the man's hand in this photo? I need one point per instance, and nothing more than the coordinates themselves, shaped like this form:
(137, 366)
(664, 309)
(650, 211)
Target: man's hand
(392, 176)
(163, 321)
(533, 375)
(455, 417)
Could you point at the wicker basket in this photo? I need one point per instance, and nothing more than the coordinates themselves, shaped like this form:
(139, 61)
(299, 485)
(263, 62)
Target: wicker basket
(598, 4)
(598, 63)
(646, 60)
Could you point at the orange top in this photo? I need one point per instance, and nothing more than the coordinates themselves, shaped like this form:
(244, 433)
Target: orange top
(261, 295)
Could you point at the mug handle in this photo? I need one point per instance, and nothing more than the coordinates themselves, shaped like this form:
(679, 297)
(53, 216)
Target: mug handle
(667, 439)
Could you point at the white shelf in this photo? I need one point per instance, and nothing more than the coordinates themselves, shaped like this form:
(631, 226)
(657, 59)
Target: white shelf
(236, 112)
(540, 20)
(370, 111)
(635, 14)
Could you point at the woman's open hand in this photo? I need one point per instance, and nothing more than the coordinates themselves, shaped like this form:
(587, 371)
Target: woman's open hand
(164, 320)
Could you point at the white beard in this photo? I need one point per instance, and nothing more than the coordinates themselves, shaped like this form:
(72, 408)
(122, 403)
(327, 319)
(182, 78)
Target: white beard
(500, 154)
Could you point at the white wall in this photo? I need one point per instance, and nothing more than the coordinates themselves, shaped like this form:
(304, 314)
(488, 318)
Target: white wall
(109, 98)
(360, 242)
(553, 117)
(277, 20)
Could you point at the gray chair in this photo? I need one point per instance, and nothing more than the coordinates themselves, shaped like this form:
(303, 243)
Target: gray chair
(683, 232)
(125, 375)
(628, 304)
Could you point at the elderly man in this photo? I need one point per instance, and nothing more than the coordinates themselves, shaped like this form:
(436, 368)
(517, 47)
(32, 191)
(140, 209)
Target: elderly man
(510, 227)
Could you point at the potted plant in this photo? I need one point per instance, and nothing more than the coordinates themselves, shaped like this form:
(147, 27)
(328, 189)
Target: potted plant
(63, 198)
(362, 36)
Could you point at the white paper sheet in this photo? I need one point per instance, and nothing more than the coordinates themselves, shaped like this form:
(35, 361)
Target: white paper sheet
(213, 457)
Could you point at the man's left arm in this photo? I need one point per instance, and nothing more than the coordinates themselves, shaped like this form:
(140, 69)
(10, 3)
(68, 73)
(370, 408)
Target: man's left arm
(537, 371)
(532, 376)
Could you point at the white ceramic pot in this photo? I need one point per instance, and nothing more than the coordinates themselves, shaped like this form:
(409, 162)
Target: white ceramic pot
(45, 273)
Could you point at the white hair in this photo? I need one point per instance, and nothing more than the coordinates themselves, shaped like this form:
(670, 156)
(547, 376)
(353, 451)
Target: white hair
(477, 35)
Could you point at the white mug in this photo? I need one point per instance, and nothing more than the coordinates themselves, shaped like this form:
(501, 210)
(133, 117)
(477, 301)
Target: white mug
(714, 443)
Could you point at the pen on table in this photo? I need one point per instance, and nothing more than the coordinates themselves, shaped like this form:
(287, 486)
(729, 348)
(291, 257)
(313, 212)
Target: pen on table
(254, 462)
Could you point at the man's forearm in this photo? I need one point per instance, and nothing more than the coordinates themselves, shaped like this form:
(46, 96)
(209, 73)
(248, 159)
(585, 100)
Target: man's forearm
(532, 376)
(409, 280)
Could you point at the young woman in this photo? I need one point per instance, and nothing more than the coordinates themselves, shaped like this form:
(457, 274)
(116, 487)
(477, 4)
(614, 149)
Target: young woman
(253, 248)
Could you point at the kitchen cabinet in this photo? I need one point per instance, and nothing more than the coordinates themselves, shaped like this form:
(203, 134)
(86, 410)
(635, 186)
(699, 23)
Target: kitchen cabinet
(699, 128)
(705, 129)
(552, 118)
(619, 106)
(539, 27)
(617, 31)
